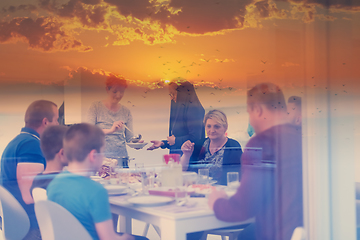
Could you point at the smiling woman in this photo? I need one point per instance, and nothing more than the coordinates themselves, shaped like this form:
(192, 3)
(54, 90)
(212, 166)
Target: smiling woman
(113, 118)
(217, 152)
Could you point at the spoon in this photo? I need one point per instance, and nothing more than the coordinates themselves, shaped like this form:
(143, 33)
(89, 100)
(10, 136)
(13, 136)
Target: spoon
(135, 138)
(181, 203)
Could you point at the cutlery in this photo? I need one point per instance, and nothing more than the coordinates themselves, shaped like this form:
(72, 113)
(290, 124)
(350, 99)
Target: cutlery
(135, 138)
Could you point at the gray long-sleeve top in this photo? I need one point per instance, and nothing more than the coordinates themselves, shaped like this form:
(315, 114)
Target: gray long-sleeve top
(104, 118)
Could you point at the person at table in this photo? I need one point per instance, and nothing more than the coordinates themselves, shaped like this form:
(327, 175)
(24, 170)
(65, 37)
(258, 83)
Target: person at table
(294, 110)
(111, 116)
(51, 143)
(218, 152)
(186, 115)
(73, 189)
(17, 177)
(271, 183)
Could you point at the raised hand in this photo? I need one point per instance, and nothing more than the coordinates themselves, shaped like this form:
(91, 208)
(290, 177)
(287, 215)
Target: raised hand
(156, 144)
(171, 140)
(117, 125)
(188, 147)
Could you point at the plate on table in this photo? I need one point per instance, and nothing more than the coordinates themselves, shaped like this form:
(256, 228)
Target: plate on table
(150, 200)
(168, 192)
(116, 189)
(202, 188)
(96, 178)
(137, 145)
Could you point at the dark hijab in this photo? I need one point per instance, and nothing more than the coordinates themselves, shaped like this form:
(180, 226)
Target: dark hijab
(186, 116)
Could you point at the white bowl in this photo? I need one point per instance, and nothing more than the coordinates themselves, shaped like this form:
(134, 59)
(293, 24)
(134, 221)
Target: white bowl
(137, 145)
(115, 189)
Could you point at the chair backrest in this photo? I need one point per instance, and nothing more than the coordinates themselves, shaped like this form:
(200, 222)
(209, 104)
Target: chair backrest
(57, 223)
(15, 221)
(358, 213)
(39, 194)
(299, 234)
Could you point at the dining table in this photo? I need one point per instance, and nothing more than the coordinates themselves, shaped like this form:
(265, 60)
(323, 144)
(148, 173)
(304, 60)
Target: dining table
(174, 220)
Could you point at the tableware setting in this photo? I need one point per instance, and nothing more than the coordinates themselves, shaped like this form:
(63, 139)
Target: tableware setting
(116, 189)
(233, 180)
(135, 142)
(203, 176)
(137, 145)
(96, 178)
(150, 200)
(154, 186)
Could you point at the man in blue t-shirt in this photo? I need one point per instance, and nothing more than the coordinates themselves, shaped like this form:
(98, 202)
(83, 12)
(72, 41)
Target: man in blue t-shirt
(86, 199)
(25, 148)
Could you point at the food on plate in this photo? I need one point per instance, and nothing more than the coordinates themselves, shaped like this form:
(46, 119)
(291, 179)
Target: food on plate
(189, 178)
(129, 177)
(202, 188)
(135, 139)
(107, 170)
(170, 192)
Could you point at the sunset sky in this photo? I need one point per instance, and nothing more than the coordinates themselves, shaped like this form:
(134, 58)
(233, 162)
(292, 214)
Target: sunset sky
(226, 42)
(222, 46)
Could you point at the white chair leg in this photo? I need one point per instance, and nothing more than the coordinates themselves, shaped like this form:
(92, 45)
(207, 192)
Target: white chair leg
(146, 229)
(157, 229)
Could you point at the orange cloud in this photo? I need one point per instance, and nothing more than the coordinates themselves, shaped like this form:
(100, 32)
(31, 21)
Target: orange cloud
(43, 34)
(224, 60)
(95, 78)
(160, 21)
(89, 13)
(308, 8)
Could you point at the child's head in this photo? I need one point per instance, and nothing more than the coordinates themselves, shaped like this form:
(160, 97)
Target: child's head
(81, 140)
(52, 142)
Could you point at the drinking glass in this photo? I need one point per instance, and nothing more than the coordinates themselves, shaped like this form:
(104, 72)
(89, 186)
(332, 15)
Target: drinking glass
(148, 178)
(123, 175)
(233, 180)
(203, 176)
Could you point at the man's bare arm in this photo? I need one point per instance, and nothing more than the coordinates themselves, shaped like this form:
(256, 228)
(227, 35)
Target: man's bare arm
(25, 173)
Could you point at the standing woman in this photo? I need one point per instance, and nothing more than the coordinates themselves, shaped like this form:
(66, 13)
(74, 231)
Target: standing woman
(186, 115)
(111, 117)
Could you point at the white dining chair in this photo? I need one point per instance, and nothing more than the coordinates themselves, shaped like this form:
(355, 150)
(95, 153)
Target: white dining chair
(357, 213)
(146, 229)
(39, 194)
(231, 233)
(298, 234)
(57, 223)
(15, 222)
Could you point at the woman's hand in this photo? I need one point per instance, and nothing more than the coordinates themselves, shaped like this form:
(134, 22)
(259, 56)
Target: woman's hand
(117, 125)
(187, 148)
(156, 144)
(171, 140)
